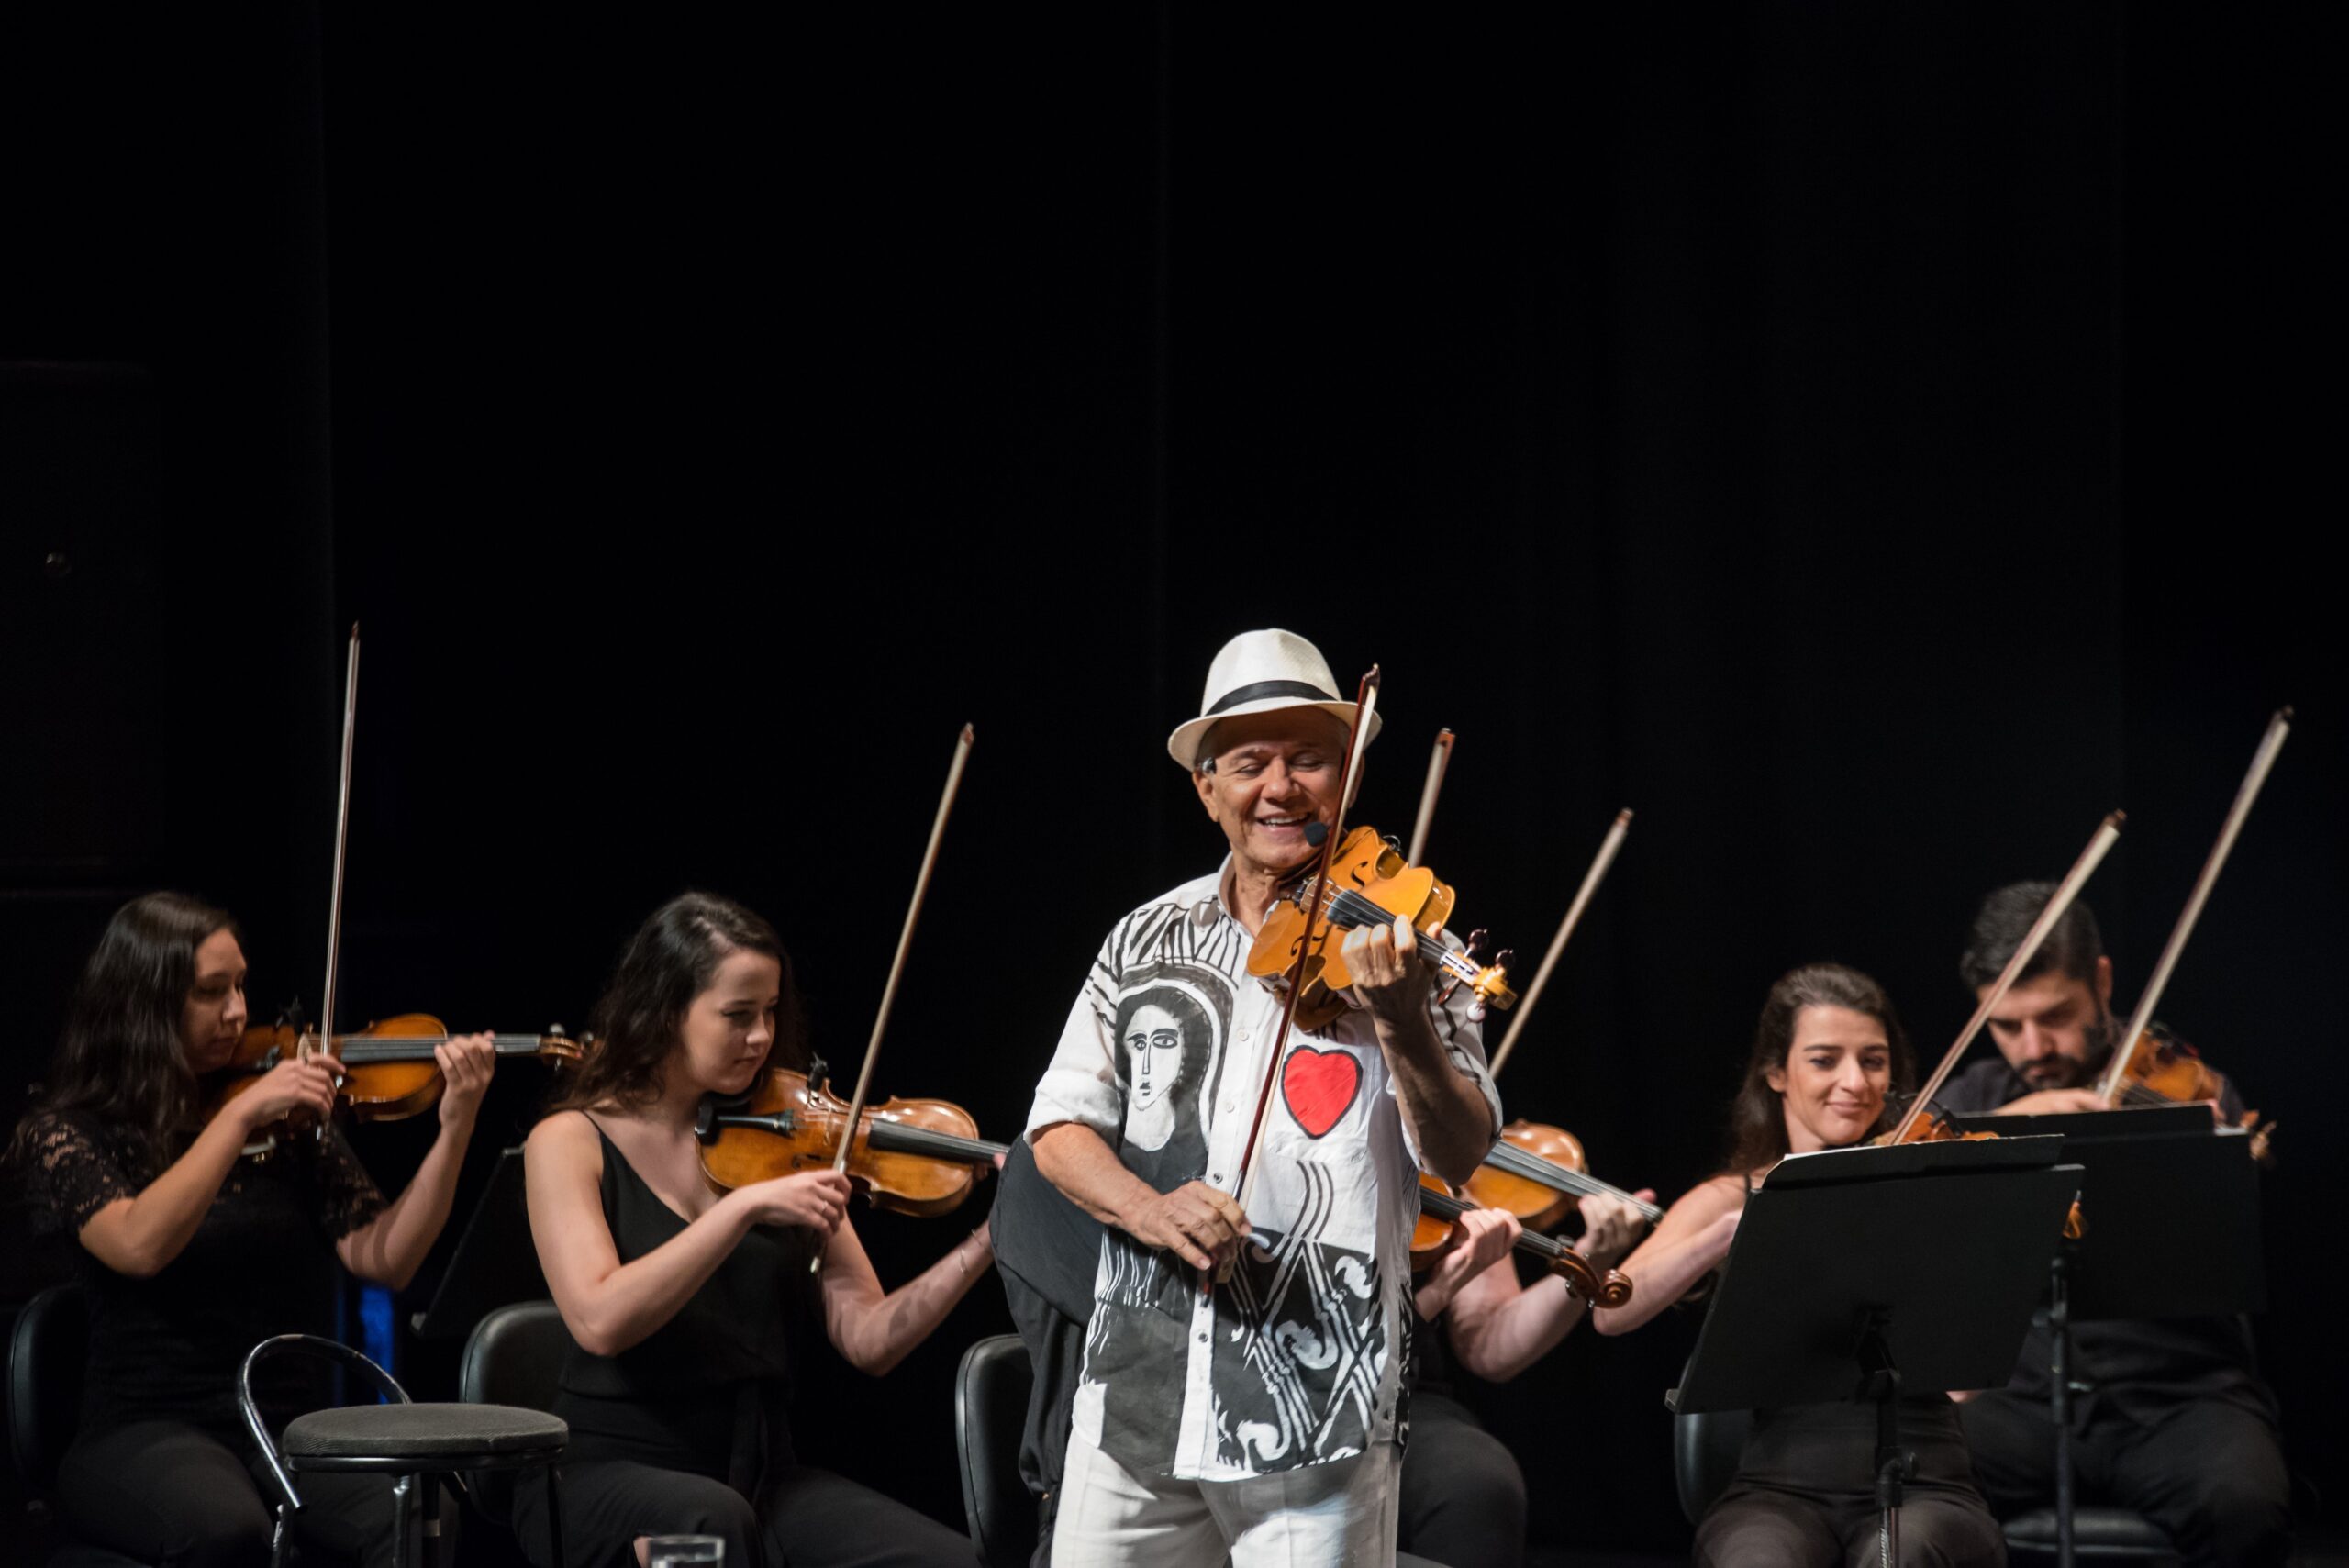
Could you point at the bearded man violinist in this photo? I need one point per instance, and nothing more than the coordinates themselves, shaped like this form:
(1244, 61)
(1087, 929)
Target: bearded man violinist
(2175, 1425)
(1260, 1414)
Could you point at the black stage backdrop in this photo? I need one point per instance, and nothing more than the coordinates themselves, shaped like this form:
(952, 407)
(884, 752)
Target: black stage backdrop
(1872, 443)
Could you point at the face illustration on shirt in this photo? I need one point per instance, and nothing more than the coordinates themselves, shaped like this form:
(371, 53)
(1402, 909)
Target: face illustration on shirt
(1163, 1048)
(1154, 1055)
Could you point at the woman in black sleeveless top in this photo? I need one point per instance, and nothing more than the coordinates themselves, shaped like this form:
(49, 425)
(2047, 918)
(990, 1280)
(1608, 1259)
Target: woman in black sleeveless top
(680, 1300)
(1827, 1050)
(190, 1255)
(1463, 1497)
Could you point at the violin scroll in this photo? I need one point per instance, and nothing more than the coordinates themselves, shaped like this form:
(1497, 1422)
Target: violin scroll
(1615, 1290)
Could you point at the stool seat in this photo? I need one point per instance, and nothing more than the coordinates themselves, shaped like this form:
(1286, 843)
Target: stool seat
(2112, 1534)
(458, 1436)
(402, 1439)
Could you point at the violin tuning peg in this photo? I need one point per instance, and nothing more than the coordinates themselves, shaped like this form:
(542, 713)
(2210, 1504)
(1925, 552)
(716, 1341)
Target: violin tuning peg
(1476, 940)
(1503, 958)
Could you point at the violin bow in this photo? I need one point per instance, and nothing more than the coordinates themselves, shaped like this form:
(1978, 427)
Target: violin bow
(1437, 763)
(2109, 1087)
(2107, 833)
(324, 1036)
(1357, 740)
(1591, 879)
(897, 964)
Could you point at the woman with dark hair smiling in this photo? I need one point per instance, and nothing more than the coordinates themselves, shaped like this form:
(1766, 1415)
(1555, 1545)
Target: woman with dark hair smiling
(190, 1255)
(1828, 1056)
(680, 1299)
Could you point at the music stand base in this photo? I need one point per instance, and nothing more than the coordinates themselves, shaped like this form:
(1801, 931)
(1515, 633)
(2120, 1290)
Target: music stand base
(1880, 1380)
(2059, 1324)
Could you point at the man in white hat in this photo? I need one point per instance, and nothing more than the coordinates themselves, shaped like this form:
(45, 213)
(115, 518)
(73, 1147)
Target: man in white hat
(1262, 1416)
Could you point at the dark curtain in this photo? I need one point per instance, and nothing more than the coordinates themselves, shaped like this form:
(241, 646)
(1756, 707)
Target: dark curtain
(1871, 443)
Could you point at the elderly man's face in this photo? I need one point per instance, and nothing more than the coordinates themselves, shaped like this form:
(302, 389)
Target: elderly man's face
(1271, 774)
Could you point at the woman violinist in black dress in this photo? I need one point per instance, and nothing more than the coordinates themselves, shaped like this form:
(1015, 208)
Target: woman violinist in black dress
(190, 1255)
(680, 1299)
(1826, 1052)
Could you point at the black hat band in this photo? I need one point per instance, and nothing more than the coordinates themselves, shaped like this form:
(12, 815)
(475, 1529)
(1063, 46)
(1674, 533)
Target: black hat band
(1234, 697)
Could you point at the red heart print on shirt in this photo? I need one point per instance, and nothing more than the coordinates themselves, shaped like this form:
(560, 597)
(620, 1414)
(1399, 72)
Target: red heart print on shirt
(1317, 1087)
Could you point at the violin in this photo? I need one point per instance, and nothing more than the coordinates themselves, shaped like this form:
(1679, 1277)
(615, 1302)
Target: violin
(917, 1157)
(1367, 884)
(387, 1071)
(1440, 1210)
(1537, 1172)
(1933, 1126)
(2159, 1069)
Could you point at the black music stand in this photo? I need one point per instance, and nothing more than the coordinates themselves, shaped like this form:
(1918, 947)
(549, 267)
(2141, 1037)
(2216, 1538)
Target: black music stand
(2149, 1176)
(495, 1263)
(1856, 1271)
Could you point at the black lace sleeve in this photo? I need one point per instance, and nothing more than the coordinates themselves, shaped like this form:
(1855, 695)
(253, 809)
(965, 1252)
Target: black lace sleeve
(346, 1194)
(69, 1175)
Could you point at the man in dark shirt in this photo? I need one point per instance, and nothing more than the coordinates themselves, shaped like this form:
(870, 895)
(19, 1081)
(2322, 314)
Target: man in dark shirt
(2175, 1425)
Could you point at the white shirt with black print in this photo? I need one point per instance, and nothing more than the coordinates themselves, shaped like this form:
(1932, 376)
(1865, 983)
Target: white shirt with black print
(1298, 1357)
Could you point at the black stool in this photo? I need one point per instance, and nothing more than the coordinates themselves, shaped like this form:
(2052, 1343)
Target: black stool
(400, 1438)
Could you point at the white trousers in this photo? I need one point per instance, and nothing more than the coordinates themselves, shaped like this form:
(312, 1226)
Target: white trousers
(1340, 1515)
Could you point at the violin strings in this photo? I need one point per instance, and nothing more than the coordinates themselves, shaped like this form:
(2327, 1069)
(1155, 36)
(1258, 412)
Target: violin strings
(1515, 1161)
(410, 1047)
(1346, 907)
(2140, 1095)
(895, 1137)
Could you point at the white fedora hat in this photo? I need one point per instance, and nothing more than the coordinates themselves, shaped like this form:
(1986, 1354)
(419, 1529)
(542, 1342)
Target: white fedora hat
(1259, 672)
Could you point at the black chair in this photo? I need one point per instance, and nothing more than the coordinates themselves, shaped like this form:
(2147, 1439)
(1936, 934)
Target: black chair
(990, 1415)
(400, 1439)
(48, 1353)
(1706, 1447)
(1705, 1450)
(2099, 1535)
(513, 1356)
